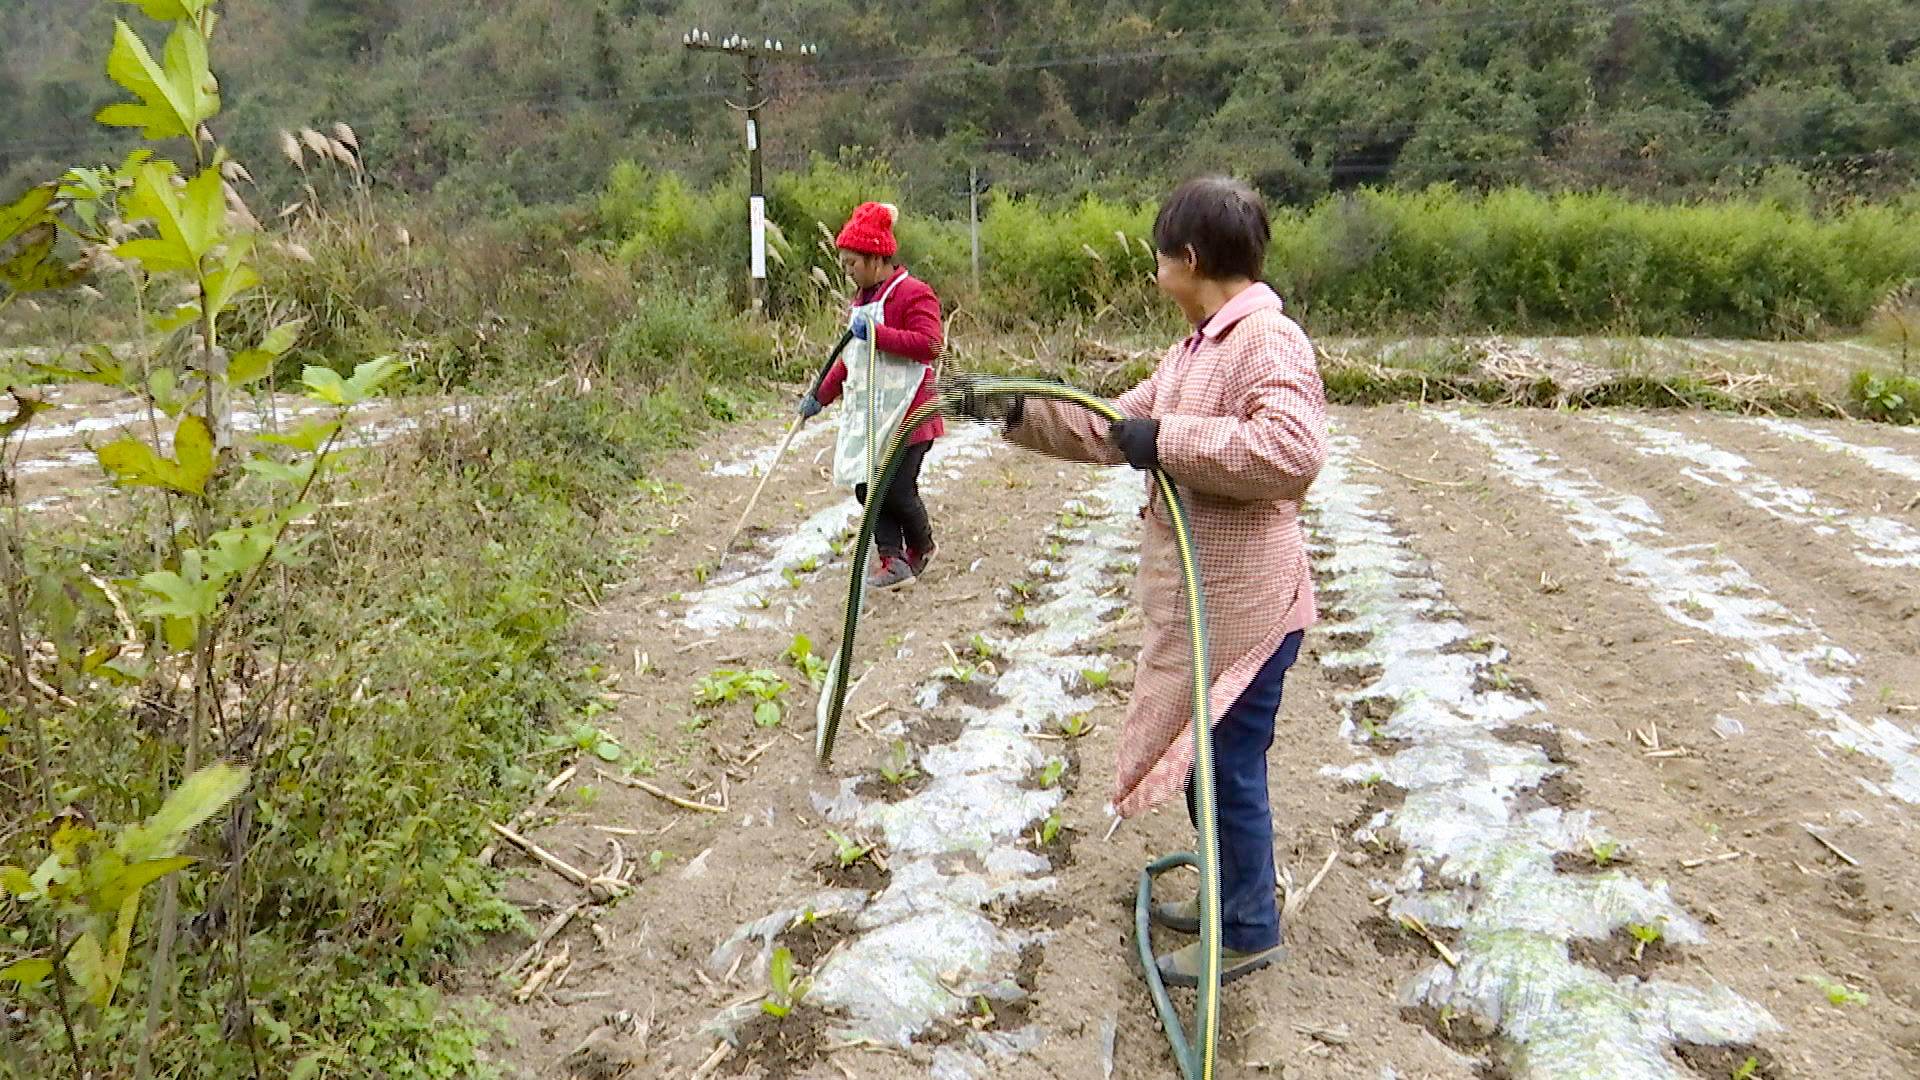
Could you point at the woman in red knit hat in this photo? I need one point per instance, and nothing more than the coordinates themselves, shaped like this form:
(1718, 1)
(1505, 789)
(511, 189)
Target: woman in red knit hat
(886, 370)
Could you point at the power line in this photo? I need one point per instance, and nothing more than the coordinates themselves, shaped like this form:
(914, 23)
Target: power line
(920, 69)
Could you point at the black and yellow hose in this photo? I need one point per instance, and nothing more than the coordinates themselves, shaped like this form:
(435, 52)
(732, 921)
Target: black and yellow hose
(1194, 1056)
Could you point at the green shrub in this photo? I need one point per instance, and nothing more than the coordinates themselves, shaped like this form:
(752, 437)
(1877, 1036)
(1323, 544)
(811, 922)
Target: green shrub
(1886, 396)
(1435, 259)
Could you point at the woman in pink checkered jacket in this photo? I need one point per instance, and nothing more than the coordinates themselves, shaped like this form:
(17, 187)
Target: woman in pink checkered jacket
(1236, 415)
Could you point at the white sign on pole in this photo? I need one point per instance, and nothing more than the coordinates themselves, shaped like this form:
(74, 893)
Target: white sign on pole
(753, 134)
(757, 222)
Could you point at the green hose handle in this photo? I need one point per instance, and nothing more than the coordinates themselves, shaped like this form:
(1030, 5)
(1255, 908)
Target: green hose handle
(1196, 1056)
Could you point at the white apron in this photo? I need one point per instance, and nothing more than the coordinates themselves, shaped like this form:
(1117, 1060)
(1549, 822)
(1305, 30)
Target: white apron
(880, 388)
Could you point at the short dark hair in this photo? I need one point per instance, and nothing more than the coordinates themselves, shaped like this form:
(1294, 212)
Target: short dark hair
(1223, 220)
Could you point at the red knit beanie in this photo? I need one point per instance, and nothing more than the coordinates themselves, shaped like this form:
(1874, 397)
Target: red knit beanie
(870, 230)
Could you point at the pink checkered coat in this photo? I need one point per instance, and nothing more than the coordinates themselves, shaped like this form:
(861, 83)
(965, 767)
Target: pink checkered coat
(1243, 432)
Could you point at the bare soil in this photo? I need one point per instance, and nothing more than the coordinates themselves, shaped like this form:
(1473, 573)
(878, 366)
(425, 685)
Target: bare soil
(1722, 821)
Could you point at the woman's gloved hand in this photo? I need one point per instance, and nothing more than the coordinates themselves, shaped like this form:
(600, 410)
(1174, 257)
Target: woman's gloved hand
(969, 399)
(1139, 440)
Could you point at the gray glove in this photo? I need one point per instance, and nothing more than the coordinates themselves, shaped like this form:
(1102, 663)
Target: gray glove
(810, 406)
(968, 400)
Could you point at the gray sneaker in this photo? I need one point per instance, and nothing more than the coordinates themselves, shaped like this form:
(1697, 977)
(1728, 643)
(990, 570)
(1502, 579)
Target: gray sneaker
(1180, 916)
(1182, 966)
(891, 572)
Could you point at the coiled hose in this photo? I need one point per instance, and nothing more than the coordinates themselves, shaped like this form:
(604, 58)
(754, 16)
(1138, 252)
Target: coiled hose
(1196, 1056)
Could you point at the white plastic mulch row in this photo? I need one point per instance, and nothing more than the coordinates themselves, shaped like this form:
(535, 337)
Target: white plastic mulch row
(1479, 854)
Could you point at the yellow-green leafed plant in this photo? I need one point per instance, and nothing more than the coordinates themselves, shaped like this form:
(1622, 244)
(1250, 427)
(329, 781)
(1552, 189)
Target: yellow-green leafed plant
(88, 889)
(182, 235)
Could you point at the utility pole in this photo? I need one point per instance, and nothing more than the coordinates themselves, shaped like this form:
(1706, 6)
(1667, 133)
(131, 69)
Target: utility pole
(754, 56)
(973, 221)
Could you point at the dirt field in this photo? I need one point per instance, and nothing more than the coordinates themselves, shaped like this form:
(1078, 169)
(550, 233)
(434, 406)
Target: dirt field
(1617, 707)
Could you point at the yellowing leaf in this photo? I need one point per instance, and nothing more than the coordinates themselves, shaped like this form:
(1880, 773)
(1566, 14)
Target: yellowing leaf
(28, 210)
(29, 972)
(249, 366)
(126, 885)
(32, 266)
(198, 798)
(88, 967)
(116, 958)
(16, 881)
(134, 462)
(193, 446)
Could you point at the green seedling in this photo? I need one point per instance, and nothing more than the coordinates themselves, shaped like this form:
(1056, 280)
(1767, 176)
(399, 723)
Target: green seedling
(1748, 1069)
(1049, 829)
(761, 686)
(809, 564)
(1096, 678)
(846, 850)
(1838, 993)
(1019, 615)
(800, 654)
(1022, 590)
(701, 573)
(1054, 551)
(1643, 936)
(792, 578)
(981, 648)
(586, 794)
(983, 1008)
(1371, 728)
(1073, 727)
(591, 740)
(657, 859)
(899, 767)
(1603, 851)
(784, 989)
(1373, 780)
(1050, 775)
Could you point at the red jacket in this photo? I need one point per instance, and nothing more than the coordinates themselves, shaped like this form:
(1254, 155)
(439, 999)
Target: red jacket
(912, 331)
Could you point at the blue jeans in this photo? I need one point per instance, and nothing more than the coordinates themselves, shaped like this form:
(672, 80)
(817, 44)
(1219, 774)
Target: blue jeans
(1250, 919)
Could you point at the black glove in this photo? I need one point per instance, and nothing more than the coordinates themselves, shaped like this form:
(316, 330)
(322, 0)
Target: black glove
(968, 400)
(1139, 440)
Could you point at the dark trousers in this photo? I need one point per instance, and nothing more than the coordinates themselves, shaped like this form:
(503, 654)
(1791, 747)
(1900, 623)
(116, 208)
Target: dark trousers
(902, 524)
(1249, 917)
